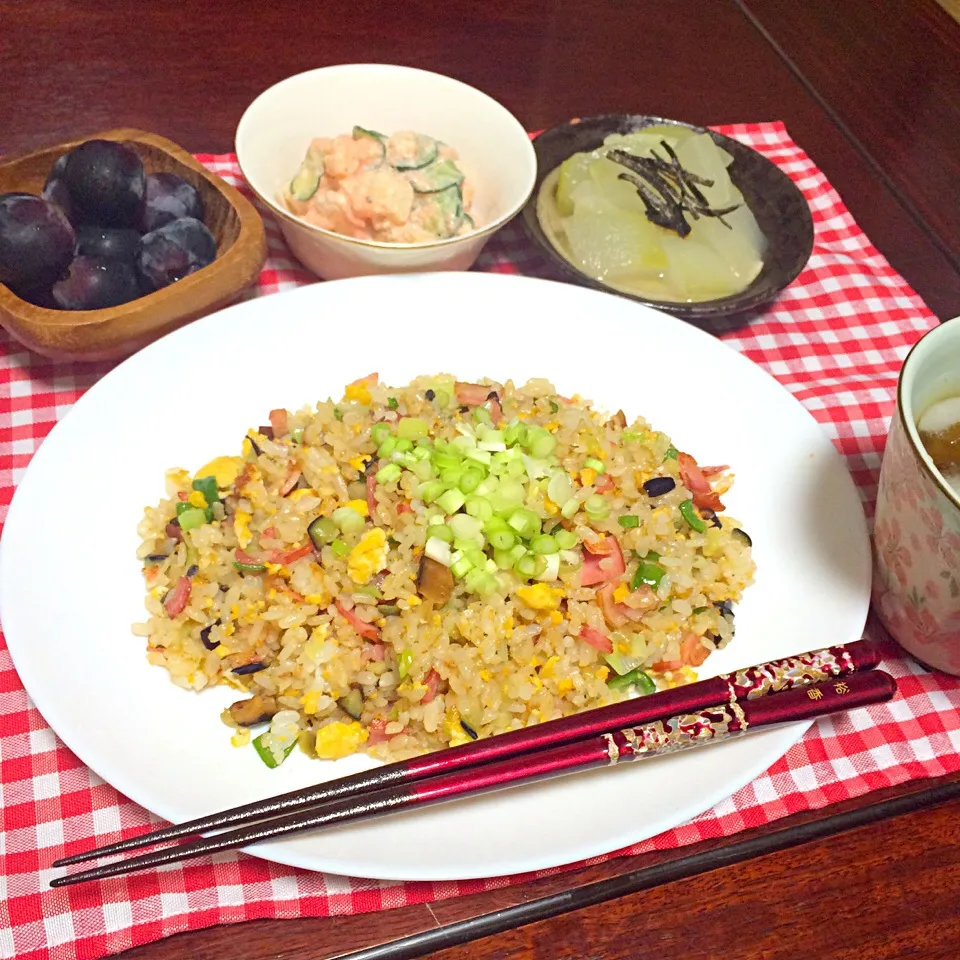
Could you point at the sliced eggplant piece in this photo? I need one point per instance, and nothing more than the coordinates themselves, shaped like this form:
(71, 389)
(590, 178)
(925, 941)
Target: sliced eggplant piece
(206, 641)
(400, 157)
(434, 581)
(322, 531)
(437, 176)
(352, 703)
(254, 666)
(254, 710)
(304, 185)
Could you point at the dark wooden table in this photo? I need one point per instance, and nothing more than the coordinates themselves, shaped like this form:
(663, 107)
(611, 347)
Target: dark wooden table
(871, 89)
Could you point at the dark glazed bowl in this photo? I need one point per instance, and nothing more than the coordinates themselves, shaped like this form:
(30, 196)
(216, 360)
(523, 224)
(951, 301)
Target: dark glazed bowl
(780, 208)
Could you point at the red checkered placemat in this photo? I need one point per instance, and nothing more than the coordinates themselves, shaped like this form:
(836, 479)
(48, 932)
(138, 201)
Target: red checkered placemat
(836, 339)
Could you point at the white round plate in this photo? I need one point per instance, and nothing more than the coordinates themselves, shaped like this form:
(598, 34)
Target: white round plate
(71, 587)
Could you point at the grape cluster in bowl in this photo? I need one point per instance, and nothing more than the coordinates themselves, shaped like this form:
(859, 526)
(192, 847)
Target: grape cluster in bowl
(102, 232)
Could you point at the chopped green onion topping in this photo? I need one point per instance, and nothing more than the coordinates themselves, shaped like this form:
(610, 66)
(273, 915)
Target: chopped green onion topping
(387, 447)
(192, 518)
(530, 565)
(369, 590)
(594, 464)
(348, 520)
(470, 480)
(412, 428)
(379, 432)
(671, 454)
(554, 406)
(389, 473)
(404, 662)
(635, 678)
(566, 539)
(515, 433)
(479, 507)
(339, 548)
(451, 501)
(266, 754)
(540, 443)
(632, 436)
(649, 573)
(338, 413)
(596, 507)
(392, 403)
(544, 544)
(525, 522)
(629, 521)
(441, 531)
(689, 513)
(428, 492)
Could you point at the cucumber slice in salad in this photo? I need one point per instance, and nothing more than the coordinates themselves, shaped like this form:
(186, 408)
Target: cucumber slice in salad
(437, 176)
(304, 185)
(424, 152)
(444, 211)
(450, 204)
(379, 139)
(359, 132)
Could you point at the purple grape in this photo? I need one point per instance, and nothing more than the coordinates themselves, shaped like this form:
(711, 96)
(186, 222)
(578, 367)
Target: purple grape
(107, 183)
(95, 282)
(55, 190)
(168, 198)
(39, 296)
(175, 250)
(36, 241)
(112, 243)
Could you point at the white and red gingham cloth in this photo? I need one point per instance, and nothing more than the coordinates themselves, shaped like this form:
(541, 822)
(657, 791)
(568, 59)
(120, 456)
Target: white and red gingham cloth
(836, 339)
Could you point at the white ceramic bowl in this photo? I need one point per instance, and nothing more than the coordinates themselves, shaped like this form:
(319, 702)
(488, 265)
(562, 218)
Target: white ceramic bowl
(277, 127)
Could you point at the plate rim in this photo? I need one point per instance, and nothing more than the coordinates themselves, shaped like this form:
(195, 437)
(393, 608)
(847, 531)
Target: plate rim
(276, 851)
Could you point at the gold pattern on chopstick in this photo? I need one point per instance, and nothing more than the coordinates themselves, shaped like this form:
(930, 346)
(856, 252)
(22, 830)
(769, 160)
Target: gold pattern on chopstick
(677, 733)
(790, 673)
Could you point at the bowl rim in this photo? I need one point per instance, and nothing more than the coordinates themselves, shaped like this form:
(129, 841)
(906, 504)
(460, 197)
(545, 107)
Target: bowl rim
(705, 310)
(476, 233)
(904, 407)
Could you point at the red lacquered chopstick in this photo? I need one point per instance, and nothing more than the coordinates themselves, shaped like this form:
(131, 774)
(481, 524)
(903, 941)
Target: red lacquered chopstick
(786, 674)
(719, 721)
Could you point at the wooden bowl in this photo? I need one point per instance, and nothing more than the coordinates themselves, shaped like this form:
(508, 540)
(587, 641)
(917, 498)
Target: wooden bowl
(115, 332)
(780, 208)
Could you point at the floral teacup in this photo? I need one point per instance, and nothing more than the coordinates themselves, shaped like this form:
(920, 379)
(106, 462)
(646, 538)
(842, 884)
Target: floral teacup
(916, 588)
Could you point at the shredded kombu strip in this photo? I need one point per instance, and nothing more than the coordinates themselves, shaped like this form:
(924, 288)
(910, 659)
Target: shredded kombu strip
(668, 190)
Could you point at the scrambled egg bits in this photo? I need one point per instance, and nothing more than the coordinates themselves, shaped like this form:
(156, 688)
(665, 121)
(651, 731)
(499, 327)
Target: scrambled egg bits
(339, 739)
(368, 557)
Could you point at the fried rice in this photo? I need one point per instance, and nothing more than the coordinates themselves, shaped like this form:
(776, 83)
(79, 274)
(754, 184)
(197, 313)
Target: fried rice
(413, 567)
